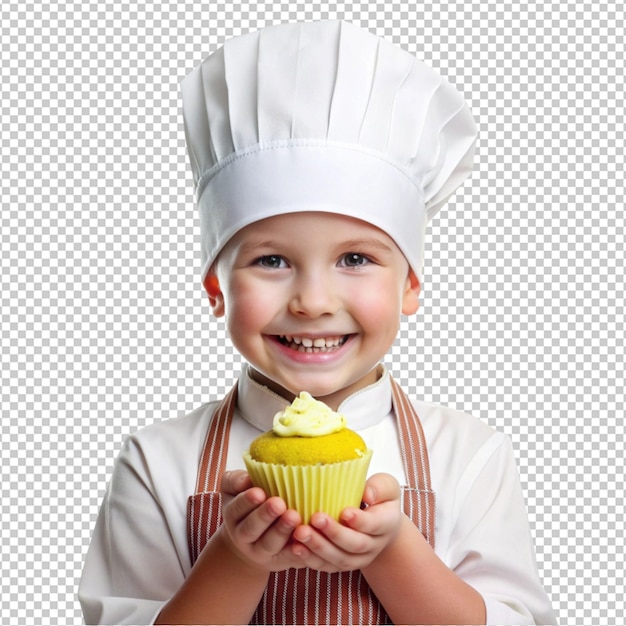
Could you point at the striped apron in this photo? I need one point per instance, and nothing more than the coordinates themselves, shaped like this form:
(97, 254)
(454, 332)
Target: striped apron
(306, 596)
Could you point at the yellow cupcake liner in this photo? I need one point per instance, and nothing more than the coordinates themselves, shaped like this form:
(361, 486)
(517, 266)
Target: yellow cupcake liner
(309, 489)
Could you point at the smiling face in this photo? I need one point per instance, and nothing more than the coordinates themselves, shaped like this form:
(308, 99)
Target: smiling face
(313, 301)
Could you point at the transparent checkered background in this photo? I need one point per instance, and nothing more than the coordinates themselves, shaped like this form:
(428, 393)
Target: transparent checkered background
(105, 327)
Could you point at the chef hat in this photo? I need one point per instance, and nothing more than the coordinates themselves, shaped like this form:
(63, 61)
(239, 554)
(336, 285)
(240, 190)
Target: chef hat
(322, 116)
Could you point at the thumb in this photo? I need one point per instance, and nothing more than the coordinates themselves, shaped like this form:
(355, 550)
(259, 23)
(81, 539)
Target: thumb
(381, 488)
(235, 482)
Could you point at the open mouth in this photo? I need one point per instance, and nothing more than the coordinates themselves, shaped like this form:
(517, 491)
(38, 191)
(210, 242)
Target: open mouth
(312, 344)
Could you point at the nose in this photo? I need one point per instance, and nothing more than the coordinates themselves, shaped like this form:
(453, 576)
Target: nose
(314, 295)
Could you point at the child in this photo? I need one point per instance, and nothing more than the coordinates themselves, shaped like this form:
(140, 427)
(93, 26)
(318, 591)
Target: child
(319, 153)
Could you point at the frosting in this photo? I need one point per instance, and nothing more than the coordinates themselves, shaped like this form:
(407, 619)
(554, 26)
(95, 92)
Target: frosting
(307, 417)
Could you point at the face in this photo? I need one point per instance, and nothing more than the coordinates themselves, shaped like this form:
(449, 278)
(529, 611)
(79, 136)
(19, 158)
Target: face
(313, 301)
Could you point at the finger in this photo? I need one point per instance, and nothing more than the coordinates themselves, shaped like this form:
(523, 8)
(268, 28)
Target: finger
(305, 558)
(315, 543)
(381, 488)
(234, 482)
(374, 521)
(252, 526)
(331, 542)
(243, 505)
(279, 533)
(341, 535)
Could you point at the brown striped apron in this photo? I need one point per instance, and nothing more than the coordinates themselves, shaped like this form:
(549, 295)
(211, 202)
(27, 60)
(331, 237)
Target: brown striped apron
(306, 596)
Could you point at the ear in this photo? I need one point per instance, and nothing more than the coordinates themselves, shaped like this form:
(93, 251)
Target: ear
(411, 294)
(216, 297)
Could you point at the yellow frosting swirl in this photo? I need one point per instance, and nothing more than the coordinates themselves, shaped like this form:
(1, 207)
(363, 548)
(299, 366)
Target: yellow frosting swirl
(307, 417)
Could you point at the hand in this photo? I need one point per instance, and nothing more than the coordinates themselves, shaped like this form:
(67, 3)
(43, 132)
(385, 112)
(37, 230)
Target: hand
(257, 529)
(358, 537)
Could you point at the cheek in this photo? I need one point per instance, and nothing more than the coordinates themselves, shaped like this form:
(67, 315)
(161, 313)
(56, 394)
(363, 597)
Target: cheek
(247, 307)
(379, 305)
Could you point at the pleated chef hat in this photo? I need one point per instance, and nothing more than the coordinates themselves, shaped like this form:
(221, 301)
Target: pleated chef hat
(322, 116)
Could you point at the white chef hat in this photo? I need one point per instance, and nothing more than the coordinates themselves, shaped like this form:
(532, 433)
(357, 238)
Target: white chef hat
(322, 116)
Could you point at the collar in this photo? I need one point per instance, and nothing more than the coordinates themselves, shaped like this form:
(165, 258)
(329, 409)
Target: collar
(364, 408)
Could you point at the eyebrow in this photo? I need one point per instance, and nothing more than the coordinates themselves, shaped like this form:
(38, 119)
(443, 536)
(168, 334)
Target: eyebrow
(366, 243)
(251, 245)
(356, 244)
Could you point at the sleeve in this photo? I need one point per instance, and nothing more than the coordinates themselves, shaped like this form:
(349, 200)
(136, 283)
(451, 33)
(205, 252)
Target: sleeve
(491, 546)
(134, 564)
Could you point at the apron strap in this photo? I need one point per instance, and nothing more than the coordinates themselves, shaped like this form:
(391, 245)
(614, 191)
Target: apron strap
(418, 496)
(213, 459)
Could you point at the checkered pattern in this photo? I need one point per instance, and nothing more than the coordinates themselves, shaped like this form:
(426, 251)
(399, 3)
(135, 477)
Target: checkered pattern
(105, 328)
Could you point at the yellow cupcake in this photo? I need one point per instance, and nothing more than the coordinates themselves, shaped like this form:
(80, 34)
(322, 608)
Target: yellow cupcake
(310, 459)
(334, 448)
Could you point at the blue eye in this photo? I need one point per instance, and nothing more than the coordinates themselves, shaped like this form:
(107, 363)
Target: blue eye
(272, 261)
(354, 259)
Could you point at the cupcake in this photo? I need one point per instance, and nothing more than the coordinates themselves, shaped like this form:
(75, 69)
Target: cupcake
(310, 459)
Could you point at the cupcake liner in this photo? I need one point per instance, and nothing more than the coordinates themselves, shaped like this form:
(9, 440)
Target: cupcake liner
(311, 488)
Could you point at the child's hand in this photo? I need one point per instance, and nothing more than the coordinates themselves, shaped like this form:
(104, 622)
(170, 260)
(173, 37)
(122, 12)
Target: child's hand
(257, 529)
(359, 536)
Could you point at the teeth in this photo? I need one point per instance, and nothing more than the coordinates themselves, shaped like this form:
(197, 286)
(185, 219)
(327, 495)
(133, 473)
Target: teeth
(307, 344)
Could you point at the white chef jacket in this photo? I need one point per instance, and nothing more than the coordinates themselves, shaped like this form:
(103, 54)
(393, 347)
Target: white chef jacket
(139, 554)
